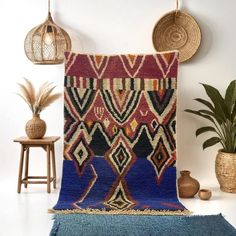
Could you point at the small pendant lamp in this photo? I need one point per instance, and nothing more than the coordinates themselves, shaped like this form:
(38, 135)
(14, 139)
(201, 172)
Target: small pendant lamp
(47, 42)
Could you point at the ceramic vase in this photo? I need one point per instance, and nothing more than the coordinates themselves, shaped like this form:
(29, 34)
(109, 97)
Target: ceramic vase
(204, 194)
(35, 128)
(187, 185)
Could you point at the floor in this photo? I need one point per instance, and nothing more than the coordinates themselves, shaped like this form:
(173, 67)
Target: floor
(26, 214)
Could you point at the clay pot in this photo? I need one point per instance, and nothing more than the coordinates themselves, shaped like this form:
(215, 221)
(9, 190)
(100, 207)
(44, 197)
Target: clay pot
(204, 194)
(225, 168)
(35, 128)
(187, 185)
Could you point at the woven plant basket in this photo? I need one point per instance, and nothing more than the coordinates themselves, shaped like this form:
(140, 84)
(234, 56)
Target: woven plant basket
(225, 167)
(177, 30)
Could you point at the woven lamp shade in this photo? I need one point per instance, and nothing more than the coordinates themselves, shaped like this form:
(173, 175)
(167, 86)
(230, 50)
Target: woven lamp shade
(47, 42)
(177, 30)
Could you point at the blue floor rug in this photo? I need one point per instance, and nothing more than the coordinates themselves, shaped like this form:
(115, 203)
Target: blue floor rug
(131, 225)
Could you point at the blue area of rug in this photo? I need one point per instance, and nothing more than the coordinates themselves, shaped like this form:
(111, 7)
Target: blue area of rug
(143, 187)
(131, 225)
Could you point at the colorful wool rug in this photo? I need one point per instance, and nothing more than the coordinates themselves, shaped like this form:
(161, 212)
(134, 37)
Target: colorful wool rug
(120, 225)
(120, 135)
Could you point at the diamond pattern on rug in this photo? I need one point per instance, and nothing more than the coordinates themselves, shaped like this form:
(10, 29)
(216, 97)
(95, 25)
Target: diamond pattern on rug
(80, 153)
(119, 199)
(120, 156)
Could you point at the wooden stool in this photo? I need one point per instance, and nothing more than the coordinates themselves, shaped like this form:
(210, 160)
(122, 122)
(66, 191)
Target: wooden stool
(47, 143)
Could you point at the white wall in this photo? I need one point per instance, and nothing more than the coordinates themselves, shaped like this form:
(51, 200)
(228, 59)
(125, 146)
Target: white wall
(112, 26)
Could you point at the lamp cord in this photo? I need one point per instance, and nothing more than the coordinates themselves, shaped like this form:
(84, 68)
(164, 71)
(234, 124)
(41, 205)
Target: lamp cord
(48, 6)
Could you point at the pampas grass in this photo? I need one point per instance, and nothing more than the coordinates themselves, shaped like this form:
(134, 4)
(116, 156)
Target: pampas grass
(38, 101)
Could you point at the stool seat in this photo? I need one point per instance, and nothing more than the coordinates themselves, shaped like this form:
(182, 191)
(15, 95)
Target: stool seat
(47, 143)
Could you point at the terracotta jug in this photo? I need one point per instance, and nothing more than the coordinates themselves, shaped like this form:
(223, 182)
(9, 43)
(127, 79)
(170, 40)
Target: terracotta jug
(187, 185)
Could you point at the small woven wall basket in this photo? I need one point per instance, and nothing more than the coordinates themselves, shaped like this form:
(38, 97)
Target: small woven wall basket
(177, 30)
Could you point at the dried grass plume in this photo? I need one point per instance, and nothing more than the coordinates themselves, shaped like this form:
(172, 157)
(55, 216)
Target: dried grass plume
(38, 101)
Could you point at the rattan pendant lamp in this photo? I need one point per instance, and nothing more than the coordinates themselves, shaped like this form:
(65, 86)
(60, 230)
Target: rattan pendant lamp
(47, 42)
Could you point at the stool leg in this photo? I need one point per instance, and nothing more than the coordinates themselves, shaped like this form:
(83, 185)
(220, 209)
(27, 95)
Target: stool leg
(54, 167)
(21, 168)
(26, 166)
(48, 169)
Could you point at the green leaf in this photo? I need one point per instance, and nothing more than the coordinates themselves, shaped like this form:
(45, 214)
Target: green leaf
(205, 129)
(230, 95)
(210, 142)
(218, 101)
(233, 131)
(233, 114)
(214, 115)
(199, 114)
(206, 103)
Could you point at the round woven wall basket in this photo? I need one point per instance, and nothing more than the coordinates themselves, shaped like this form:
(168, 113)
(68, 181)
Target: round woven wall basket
(177, 30)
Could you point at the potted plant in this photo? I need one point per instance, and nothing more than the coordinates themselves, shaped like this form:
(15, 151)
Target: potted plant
(221, 113)
(37, 102)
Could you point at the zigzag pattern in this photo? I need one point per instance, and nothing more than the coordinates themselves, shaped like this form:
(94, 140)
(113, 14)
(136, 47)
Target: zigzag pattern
(122, 109)
(163, 65)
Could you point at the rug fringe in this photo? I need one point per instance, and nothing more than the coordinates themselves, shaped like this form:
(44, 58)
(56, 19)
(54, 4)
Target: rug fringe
(117, 212)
